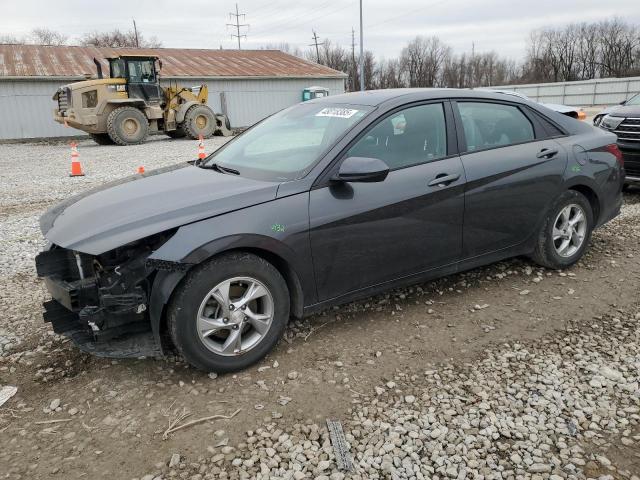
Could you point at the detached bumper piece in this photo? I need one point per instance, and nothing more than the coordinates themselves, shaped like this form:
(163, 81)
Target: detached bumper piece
(102, 310)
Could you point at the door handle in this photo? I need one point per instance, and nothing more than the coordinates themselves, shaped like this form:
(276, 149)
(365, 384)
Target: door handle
(443, 179)
(547, 153)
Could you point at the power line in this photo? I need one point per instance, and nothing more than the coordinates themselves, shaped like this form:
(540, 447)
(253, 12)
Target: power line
(238, 25)
(316, 44)
(293, 18)
(407, 12)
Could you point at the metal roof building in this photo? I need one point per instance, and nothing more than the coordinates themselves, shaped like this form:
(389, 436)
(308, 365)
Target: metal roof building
(247, 85)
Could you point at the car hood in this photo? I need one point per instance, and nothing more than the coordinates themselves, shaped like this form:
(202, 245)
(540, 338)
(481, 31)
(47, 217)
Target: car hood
(622, 111)
(136, 207)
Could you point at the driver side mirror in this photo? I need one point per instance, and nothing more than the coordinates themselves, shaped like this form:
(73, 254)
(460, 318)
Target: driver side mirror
(362, 169)
(623, 102)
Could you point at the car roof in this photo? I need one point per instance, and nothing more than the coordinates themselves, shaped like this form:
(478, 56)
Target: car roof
(375, 98)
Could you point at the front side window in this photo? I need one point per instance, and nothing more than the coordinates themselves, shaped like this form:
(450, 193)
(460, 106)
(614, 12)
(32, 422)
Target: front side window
(287, 145)
(141, 71)
(409, 137)
(490, 125)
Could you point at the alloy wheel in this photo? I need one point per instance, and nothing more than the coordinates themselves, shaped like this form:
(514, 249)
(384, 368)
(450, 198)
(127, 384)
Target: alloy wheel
(569, 230)
(235, 316)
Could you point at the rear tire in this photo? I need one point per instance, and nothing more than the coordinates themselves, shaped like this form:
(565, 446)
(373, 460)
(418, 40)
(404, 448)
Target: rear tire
(207, 310)
(127, 126)
(565, 233)
(101, 138)
(199, 120)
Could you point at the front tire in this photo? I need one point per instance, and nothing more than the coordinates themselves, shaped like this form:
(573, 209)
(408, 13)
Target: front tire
(199, 120)
(127, 126)
(566, 232)
(229, 312)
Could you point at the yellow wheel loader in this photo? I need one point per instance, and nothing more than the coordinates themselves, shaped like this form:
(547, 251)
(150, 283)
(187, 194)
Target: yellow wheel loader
(126, 107)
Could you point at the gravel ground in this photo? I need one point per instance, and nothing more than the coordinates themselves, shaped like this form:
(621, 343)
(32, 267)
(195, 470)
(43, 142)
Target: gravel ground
(509, 371)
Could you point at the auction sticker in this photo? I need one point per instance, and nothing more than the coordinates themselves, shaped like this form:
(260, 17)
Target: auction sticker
(337, 112)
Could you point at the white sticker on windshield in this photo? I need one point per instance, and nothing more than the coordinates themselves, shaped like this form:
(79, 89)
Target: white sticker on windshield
(337, 112)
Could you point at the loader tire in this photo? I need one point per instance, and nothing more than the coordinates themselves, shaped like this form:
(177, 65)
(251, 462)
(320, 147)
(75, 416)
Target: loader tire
(127, 126)
(101, 138)
(199, 120)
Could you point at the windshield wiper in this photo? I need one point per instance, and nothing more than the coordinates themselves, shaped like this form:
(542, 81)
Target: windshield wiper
(219, 168)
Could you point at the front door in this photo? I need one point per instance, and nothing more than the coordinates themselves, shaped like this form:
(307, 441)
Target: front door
(365, 234)
(513, 173)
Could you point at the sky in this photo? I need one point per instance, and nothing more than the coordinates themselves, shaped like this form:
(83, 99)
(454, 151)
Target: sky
(491, 25)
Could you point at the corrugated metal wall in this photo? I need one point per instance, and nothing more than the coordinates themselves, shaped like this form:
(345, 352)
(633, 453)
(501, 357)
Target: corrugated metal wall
(603, 91)
(26, 106)
(248, 101)
(27, 110)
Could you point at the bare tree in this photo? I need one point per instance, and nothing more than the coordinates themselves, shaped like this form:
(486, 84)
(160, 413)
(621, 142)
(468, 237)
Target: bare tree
(45, 36)
(422, 60)
(583, 51)
(9, 39)
(388, 74)
(119, 39)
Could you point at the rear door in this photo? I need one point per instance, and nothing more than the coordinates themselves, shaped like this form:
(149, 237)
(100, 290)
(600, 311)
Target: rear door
(514, 170)
(366, 234)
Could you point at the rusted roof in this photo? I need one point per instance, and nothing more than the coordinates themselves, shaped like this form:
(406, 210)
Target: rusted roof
(71, 61)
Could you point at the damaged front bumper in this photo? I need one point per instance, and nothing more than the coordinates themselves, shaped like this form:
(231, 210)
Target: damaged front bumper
(100, 303)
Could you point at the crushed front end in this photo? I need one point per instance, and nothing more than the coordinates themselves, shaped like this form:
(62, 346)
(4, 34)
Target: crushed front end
(101, 302)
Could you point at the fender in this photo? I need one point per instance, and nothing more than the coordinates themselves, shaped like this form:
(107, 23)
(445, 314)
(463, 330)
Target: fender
(297, 269)
(119, 102)
(275, 251)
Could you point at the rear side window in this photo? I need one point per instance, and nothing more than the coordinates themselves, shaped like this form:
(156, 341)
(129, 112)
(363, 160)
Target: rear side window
(408, 137)
(550, 129)
(490, 125)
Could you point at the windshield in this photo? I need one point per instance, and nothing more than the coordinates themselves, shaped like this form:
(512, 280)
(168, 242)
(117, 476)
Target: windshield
(635, 100)
(286, 145)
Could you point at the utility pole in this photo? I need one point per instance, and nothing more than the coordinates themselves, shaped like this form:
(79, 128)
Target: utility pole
(238, 25)
(361, 52)
(353, 60)
(135, 31)
(316, 44)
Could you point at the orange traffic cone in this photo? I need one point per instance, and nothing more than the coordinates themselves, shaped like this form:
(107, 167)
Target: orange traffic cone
(76, 168)
(140, 169)
(201, 154)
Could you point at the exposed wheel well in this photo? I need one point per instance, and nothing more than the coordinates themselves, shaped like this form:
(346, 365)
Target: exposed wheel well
(594, 201)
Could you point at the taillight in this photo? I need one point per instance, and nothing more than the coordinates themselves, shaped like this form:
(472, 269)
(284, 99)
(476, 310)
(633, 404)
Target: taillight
(615, 151)
(582, 115)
